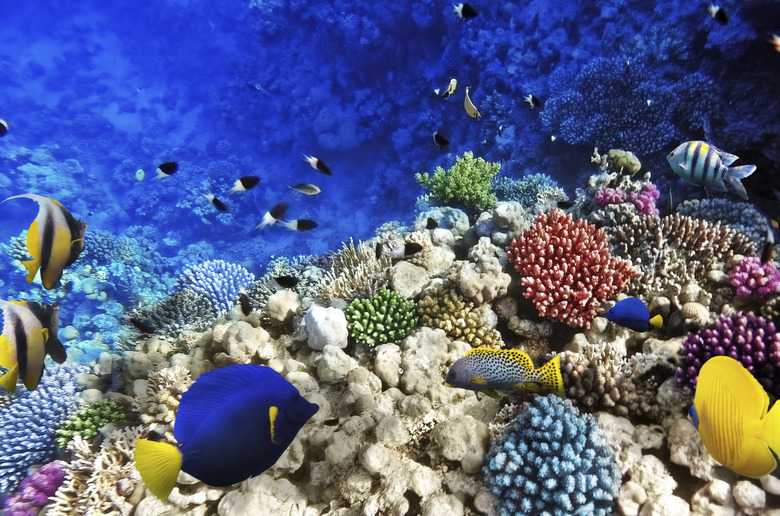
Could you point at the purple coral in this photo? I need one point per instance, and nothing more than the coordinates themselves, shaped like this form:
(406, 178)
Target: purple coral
(609, 196)
(644, 200)
(754, 279)
(35, 490)
(748, 338)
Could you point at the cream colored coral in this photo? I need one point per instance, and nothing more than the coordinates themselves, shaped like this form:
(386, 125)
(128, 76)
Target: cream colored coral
(356, 272)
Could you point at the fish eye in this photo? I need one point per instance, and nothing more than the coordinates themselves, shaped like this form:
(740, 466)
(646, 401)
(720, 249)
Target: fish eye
(671, 155)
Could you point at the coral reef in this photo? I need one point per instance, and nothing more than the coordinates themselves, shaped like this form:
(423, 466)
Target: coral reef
(356, 271)
(446, 309)
(88, 421)
(385, 317)
(466, 184)
(35, 490)
(534, 191)
(753, 279)
(218, 280)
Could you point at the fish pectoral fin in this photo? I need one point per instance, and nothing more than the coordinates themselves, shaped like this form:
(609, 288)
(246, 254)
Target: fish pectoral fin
(492, 393)
(32, 267)
(159, 465)
(478, 381)
(9, 379)
(55, 349)
(527, 386)
(657, 321)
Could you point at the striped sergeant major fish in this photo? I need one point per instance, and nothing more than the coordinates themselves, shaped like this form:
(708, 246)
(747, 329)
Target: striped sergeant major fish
(703, 164)
(29, 334)
(54, 241)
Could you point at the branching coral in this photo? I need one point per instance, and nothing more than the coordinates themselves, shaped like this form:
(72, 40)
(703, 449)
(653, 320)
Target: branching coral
(88, 421)
(218, 280)
(181, 311)
(552, 460)
(466, 184)
(385, 317)
(458, 317)
(356, 272)
(567, 268)
(753, 279)
(531, 191)
(163, 394)
(35, 490)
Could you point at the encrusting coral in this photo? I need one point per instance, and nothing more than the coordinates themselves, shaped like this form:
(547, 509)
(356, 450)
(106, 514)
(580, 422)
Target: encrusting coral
(466, 184)
(385, 317)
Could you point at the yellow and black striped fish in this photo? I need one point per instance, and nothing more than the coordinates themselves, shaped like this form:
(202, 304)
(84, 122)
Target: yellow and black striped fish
(55, 240)
(29, 334)
(703, 164)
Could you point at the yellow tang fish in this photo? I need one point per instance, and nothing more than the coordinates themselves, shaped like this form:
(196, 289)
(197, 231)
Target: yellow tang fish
(29, 334)
(55, 240)
(730, 412)
(486, 369)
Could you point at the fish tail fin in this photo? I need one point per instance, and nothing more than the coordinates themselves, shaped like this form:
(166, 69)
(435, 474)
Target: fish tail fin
(32, 267)
(737, 173)
(657, 321)
(159, 465)
(9, 379)
(550, 376)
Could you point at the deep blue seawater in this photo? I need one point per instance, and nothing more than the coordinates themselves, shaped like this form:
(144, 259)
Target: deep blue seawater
(95, 91)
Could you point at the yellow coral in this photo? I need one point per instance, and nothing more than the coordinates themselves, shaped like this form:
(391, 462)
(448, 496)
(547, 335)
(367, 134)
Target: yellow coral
(458, 317)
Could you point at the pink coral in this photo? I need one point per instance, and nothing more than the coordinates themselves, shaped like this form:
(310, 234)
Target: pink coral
(567, 268)
(606, 196)
(644, 200)
(754, 279)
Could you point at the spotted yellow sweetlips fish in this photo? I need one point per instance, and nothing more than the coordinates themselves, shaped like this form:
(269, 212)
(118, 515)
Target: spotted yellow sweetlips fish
(55, 239)
(29, 334)
(730, 411)
(486, 369)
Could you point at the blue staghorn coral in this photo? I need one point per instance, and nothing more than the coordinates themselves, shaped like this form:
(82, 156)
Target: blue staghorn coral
(552, 460)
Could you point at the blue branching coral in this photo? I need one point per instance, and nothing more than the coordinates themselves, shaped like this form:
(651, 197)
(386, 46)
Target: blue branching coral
(530, 190)
(218, 280)
(552, 460)
(30, 422)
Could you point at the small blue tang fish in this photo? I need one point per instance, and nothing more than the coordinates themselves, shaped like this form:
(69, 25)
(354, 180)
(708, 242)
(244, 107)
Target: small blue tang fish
(233, 423)
(703, 164)
(632, 313)
(486, 369)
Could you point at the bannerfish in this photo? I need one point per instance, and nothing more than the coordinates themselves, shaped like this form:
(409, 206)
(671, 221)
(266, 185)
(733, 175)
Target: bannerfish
(718, 14)
(29, 334)
(55, 240)
(465, 11)
(233, 423)
(244, 183)
(3, 127)
(533, 101)
(318, 164)
(702, 164)
(451, 87)
(440, 141)
(286, 281)
(468, 105)
(273, 215)
(632, 313)
(167, 169)
(221, 206)
(299, 224)
(730, 412)
(486, 369)
(245, 302)
(431, 223)
(305, 188)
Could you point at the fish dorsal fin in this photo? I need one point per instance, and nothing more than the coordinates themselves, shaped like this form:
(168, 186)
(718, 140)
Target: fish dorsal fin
(521, 357)
(212, 391)
(727, 158)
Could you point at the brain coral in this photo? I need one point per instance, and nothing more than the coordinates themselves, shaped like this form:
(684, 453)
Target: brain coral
(552, 460)
(567, 268)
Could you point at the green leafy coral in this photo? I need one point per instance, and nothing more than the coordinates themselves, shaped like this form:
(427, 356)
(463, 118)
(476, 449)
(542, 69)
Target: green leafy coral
(386, 317)
(88, 421)
(466, 183)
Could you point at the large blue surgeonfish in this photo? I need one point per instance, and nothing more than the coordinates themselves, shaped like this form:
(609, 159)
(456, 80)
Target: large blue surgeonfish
(632, 313)
(232, 423)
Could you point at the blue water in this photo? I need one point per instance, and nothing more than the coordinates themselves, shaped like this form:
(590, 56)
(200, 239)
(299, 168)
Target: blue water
(93, 92)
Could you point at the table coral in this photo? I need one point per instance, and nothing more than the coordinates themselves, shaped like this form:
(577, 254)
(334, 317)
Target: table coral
(567, 268)
(385, 317)
(466, 184)
(552, 460)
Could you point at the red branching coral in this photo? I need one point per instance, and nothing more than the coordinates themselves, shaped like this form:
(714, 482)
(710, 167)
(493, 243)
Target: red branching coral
(567, 268)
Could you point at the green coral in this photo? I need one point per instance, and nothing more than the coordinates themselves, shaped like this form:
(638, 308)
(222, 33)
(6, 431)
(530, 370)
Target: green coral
(458, 317)
(386, 317)
(88, 421)
(466, 183)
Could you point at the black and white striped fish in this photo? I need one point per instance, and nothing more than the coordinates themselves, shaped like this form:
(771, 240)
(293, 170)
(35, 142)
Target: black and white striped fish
(55, 240)
(703, 164)
(29, 334)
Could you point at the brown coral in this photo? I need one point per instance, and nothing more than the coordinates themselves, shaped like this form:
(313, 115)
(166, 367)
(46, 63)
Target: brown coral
(459, 318)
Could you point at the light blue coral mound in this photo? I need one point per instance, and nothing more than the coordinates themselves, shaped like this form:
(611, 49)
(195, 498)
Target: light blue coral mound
(552, 460)
(218, 280)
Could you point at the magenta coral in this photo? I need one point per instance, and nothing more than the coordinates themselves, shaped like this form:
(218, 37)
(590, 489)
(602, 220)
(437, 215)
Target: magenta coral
(567, 268)
(754, 279)
(606, 196)
(644, 200)
(35, 490)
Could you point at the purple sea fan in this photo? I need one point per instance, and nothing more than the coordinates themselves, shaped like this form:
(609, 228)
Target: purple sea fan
(748, 338)
(754, 279)
(35, 490)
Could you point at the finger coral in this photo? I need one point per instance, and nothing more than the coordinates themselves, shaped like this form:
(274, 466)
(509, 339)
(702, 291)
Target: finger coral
(567, 268)
(466, 184)
(385, 317)
(88, 421)
(458, 317)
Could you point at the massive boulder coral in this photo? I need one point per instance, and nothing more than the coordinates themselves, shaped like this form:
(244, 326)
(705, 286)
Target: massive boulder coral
(567, 268)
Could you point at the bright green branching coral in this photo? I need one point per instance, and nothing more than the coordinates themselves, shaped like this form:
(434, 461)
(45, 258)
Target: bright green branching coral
(386, 317)
(458, 317)
(467, 183)
(88, 421)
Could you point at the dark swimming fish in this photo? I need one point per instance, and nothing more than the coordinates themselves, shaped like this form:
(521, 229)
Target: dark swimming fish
(167, 169)
(440, 141)
(465, 11)
(431, 223)
(233, 424)
(286, 281)
(29, 334)
(55, 240)
(533, 101)
(273, 215)
(3, 127)
(318, 164)
(718, 14)
(299, 224)
(245, 302)
(221, 206)
(140, 325)
(245, 183)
